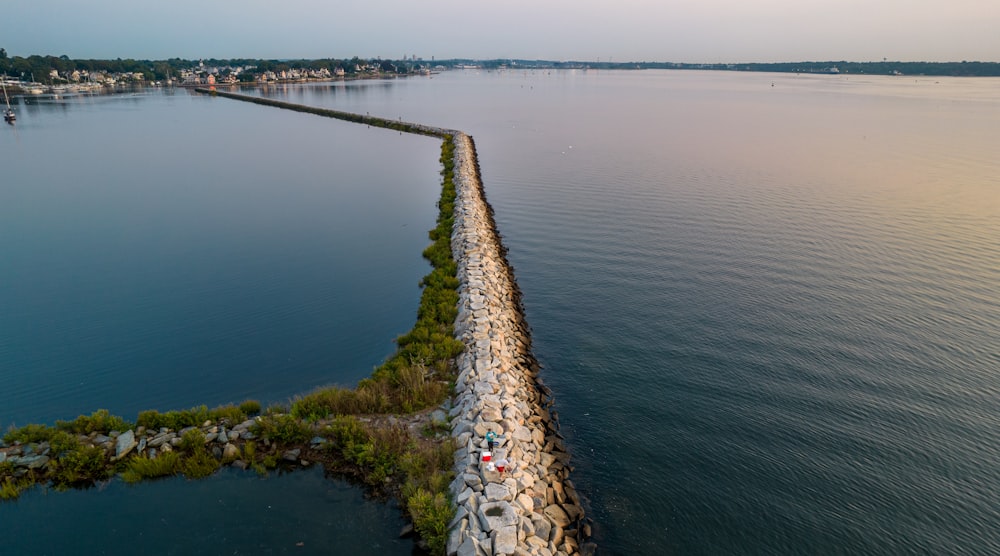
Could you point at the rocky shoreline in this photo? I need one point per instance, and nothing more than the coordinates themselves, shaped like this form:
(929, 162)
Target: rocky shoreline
(531, 508)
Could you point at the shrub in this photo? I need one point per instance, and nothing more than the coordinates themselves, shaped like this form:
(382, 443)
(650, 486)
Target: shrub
(199, 464)
(229, 414)
(250, 408)
(284, 429)
(193, 417)
(347, 431)
(99, 421)
(11, 489)
(29, 434)
(164, 465)
(323, 402)
(250, 454)
(193, 441)
(431, 514)
(80, 466)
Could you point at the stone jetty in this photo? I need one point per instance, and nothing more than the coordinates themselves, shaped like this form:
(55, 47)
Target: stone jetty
(528, 505)
(532, 507)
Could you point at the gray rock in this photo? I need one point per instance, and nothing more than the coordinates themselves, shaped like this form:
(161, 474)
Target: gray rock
(31, 462)
(439, 416)
(491, 415)
(469, 547)
(291, 455)
(222, 438)
(504, 540)
(526, 503)
(494, 515)
(124, 444)
(496, 492)
(525, 528)
(317, 440)
(543, 527)
(460, 514)
(3, 457)
(463, 496)
(455, 538)
(229, 451)
(473, 480)
(142, 445)
(160, 439)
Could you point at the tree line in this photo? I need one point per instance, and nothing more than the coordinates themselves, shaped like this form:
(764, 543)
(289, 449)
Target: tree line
(40, 66)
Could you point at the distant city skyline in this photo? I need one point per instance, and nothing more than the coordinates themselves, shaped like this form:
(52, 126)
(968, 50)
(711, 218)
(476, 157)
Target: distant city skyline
(709, 31)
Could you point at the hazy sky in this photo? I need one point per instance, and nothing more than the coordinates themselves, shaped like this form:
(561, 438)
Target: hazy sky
(620, 30)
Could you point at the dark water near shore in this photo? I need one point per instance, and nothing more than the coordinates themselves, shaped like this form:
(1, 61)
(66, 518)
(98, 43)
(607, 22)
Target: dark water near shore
(769, 313)
(161, 251)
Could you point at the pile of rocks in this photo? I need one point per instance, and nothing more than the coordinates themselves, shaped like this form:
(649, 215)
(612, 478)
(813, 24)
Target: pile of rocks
(222, 441)
(531, 508)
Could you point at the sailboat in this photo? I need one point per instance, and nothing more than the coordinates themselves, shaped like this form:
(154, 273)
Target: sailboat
(8, 114)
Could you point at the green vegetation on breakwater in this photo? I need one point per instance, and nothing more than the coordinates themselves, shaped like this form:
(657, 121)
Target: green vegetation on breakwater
(396, 125)
(379, 433)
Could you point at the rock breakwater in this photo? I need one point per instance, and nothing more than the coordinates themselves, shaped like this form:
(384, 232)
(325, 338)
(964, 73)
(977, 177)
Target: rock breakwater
(531, 507)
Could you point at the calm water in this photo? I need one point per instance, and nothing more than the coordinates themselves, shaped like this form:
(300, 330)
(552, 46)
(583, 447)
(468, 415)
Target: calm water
(162, 251)
(769, 313)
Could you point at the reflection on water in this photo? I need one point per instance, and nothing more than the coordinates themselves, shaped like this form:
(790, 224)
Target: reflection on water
(234, 512)
(162, 251)
(768, 313)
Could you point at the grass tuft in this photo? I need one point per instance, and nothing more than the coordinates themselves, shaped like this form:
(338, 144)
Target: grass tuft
(166, 464)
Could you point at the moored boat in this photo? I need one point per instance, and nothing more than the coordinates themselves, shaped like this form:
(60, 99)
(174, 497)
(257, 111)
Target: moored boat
(8, 113)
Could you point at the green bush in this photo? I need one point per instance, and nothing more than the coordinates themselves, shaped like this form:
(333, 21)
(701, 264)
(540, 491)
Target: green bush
(199, 464)
(193, 441)
(99, 421)
(324, 402)
(284, 429)
(250, 408)
(82, 465)
(196, 416)
(29, 434)
(431, 513)
(11, 489)
(165, 464)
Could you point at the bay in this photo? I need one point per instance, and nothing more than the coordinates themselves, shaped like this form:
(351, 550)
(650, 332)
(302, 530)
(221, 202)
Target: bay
(162, 250)
(767, 304)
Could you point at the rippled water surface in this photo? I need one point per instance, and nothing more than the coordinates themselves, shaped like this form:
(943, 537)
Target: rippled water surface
(767, 304)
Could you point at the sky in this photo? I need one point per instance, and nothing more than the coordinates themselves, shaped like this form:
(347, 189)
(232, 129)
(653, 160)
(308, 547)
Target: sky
(709, 31)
